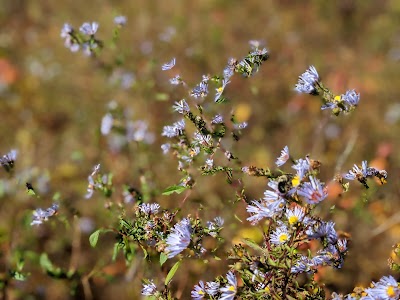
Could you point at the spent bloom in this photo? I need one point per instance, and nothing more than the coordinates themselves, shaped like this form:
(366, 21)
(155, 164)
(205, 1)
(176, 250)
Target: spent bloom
(89, 28)
(229, 291)
(41, 215)
(179, 238)
(169, 65)
(307, 81)
(281, 160)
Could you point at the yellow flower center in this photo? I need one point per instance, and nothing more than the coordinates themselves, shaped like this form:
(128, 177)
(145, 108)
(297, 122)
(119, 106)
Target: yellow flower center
(283, 237)
(296, 181)
(232, 288)
(391, 291)
(337, 98)
(293, 220)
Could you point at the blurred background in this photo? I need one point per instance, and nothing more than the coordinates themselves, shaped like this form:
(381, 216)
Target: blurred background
(52, 102)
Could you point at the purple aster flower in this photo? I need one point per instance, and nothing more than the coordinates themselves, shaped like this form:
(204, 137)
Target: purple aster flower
(41, 215)
(295, 215)
(89, 28)
(106, 124)
(386, 288)
(321, 230)
(179, 238)
(212, 288)
(165, 148)
(218, 119)
(120, 20)
(307, 81)
(221, 89)
(358, 172)
(66, 31)
(280, 236)
(200, 91)
(303, 265)
(181, 107)
(302, 166)
(281, 160)
(229, 291)
(169, 65)
(258, 210)
(351, 98)
(313, 191)
(176, 80)
(199, 291)
(8, 160)
(174, 130)
(149, 289)
(239, 126)
(149, 208)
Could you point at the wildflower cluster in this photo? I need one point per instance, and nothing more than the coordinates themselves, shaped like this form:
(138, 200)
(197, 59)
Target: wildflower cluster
(386, 288)
(96, 181)
(295, 243)
(152, 228)
(121, 130)
(288, 209)
(85, 38)
(208, 133)
(361, 174)
(310, 83)
(41, 215)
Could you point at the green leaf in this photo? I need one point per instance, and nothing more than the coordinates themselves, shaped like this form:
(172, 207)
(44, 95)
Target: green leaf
(19, 276)
(172, 272)
(162, 97)
(31, 192)
(94, 237)
(56, 196)
(163, 258)
(45, 262)
(115, 251)
(253, 245)
(174, 189)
